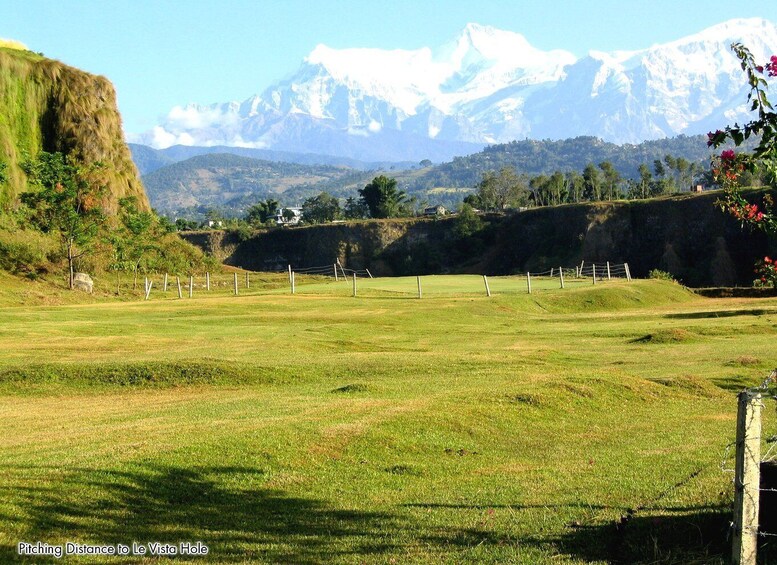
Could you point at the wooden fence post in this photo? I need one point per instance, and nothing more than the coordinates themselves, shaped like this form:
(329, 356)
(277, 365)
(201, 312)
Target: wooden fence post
(561, 276)
(418, 280)
(165, 284)
(747, 476)
(178, 282)
(235, 284)
(148, 289)
(528, 281)
(191, 286)
(342, 271)
(488, 290)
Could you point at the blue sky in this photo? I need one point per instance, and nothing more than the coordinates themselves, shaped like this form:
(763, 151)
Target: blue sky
(165, 53)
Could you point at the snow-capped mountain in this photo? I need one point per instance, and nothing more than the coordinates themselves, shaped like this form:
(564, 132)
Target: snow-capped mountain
(485, 86)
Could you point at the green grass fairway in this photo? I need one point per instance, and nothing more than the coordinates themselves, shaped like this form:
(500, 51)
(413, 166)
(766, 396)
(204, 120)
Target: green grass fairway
(579, 426)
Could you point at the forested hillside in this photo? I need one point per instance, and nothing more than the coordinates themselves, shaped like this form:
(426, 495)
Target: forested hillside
(546, 157)
(230, 183)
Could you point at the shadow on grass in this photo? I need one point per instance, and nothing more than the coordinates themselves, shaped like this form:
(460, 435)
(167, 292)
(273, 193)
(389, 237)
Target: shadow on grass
(679, 535)
(721, 314)
(228, 509)
(224, 507)
(219, 506)
(685, 535)
(734, 383)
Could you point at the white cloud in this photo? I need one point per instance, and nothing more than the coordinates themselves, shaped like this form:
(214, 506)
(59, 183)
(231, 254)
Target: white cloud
(374, 127)
(198, 117)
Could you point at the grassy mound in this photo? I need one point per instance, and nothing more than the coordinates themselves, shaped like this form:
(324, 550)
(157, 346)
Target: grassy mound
(148, 374)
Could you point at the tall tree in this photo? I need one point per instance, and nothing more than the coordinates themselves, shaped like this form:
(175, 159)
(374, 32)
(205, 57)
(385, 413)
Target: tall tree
(592, 183)
(354, 209)
(382, 198)
(557, 188)
(498, 191)
(575, 184)
(262, 212)
(320, 209)
(612, 180)
(136, 234)
(67, 201)
(644, 183)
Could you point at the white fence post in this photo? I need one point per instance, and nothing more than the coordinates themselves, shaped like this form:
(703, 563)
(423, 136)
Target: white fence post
(248, 280)
(594, 270)
(148, 289)
(561, 276)
(418, 279)
(628, 272)
(528, 281)
(335, 267)
(368, 272)
(354, 284)
(207, 281)
(747, 474)
(292, 281)
(235, 284)
(191, 286)
(178, 282)
(488, 290)
(342, 271)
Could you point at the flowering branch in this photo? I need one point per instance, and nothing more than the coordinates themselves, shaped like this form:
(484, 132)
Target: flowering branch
(765, 125)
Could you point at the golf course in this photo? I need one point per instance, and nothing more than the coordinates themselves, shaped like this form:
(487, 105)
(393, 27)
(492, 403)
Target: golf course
(581, 425)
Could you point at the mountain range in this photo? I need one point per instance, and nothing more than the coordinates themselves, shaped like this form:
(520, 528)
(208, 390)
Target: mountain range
(485, 86)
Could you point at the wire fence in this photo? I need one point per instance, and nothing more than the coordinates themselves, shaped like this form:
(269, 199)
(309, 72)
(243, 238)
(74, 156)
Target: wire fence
(337, 280)
(335, 270)
(752, 460)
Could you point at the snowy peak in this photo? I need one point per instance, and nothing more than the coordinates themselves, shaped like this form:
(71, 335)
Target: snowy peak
(743, 30)
(485, 85)
(478, 49)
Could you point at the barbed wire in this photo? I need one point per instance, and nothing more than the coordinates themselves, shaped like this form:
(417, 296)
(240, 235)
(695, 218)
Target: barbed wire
(765, 391)
(586, 270)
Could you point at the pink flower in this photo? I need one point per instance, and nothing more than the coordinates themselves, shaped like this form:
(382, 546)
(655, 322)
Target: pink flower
(728, 155)
(771, 66)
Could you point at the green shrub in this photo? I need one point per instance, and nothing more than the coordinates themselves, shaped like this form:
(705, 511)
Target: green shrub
(26, 251)
(661, 275)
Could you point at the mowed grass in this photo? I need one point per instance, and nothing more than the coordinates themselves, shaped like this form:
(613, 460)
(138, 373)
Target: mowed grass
(583, 425)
